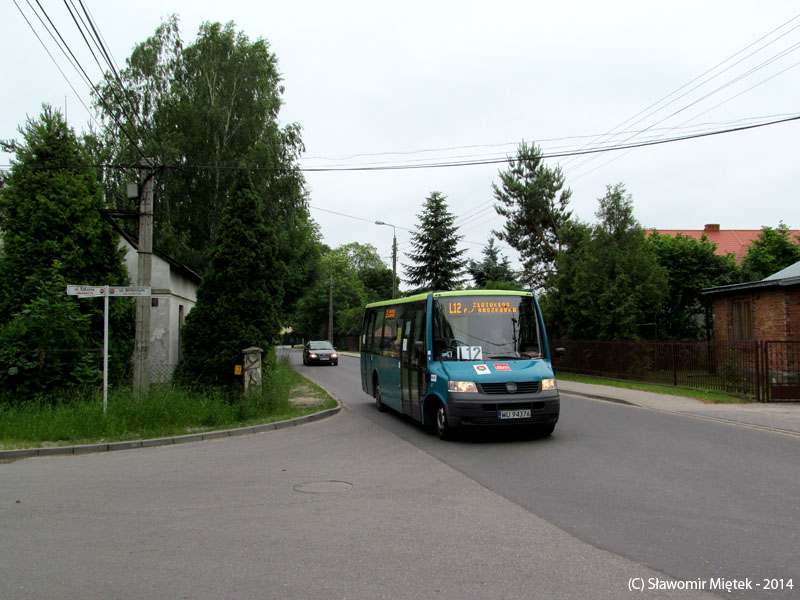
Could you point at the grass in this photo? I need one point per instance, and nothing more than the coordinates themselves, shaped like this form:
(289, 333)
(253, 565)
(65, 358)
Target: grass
(76, 417)
(703, 396)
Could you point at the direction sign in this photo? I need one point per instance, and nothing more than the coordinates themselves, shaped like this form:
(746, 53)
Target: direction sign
(106, 291)
(128, 290)
(89, 291)
(86, 290)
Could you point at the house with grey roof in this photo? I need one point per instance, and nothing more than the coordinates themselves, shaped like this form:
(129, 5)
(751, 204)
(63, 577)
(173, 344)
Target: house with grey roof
(764, 316)
(759, 310)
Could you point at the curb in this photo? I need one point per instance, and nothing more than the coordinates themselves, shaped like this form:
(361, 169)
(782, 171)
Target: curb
(603, 398)
(166, 441)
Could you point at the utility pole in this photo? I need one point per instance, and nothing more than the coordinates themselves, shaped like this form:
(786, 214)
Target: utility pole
(394, 256)
(394, 264)
(141, 351)
(330, 311)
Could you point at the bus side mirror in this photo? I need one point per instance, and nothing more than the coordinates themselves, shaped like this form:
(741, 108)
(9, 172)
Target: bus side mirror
(560, 352)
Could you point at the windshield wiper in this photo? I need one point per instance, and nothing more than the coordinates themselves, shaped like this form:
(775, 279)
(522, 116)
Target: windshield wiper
(514, 356)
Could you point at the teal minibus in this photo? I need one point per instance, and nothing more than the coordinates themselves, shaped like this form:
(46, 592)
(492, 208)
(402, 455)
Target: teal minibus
(461, 359)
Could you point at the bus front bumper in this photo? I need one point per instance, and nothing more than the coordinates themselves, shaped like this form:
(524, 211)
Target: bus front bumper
(475, 409)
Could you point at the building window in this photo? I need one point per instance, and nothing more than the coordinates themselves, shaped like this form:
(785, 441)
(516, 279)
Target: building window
(742, 320)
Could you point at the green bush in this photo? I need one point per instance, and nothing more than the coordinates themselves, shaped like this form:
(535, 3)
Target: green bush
(41, 345)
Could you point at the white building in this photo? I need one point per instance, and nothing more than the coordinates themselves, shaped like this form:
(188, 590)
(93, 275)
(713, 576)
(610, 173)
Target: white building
(173, 295)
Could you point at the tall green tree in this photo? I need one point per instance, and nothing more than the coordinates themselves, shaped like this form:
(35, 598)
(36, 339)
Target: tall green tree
(358, 276)
(533, 199)
(774, 250)
(494, 270)
(52, 230)
(238, 299)
(336, 276)
(201, 109)
(373, 273)
(438, 262)
(610, 285)
(691, 265)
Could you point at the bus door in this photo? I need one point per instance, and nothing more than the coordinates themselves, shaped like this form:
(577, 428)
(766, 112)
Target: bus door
(367, 337)
(413, 359)
(374, 338)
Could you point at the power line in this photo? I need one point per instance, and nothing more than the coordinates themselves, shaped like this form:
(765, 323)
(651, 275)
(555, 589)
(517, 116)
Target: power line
(73, 60)
(490, 161)
(35, 33)
(654, 110)
(608, 162)
(99, 43)
(588, 151)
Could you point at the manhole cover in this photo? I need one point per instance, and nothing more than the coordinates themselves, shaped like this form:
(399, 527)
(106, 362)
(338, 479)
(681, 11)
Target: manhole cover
(323, 487)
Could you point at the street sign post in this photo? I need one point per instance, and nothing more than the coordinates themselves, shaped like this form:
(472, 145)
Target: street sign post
(106, 291)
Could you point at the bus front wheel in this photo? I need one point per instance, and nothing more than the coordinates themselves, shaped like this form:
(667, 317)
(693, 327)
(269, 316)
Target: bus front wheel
(443, 429)
(379, 396)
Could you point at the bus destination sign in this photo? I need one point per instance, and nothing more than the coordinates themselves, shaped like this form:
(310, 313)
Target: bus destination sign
(479, 307)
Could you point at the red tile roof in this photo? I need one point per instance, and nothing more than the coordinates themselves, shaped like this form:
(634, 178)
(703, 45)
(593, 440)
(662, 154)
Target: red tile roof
(735, 241)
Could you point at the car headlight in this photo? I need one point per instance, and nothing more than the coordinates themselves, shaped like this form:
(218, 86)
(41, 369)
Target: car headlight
(312, 355)
(334, 355)
(548, 384)
(462, 386)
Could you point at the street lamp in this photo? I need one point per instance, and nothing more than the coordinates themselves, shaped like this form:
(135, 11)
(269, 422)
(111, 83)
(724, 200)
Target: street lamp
(394, 257)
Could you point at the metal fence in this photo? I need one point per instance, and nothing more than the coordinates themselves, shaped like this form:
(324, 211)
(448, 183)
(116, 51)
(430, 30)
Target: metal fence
(765, 371)
(781, 378)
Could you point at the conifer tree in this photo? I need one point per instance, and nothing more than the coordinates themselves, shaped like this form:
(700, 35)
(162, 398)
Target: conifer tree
(53, 230)
(533, 199)
(239, 299)
(438, 261)
(494, 270)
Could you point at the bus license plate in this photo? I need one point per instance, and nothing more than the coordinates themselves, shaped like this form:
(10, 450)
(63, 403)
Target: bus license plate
(515, 414)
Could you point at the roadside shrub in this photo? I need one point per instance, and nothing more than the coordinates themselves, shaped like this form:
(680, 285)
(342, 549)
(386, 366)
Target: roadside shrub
(42, 347)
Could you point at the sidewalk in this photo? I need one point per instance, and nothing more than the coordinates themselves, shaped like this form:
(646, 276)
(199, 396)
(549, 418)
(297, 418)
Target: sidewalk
(777, 416)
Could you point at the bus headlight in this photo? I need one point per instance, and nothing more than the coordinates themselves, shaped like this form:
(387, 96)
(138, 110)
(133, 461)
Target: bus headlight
(462, 386)
(548, 384)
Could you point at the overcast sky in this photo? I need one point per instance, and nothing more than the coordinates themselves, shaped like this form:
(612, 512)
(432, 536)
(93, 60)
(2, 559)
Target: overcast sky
(407, 82)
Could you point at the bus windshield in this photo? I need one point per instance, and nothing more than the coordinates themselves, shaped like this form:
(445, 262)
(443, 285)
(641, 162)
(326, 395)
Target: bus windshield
(486, 327)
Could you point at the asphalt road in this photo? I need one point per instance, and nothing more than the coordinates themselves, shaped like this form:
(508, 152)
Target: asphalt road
(688, 497)
(367, 505)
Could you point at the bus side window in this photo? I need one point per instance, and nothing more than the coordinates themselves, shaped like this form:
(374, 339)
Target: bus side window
(389, 347)
(440, 337)
(369, 327)
(399, 324)
(419, 334)
(377, 331)
(389, 331)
